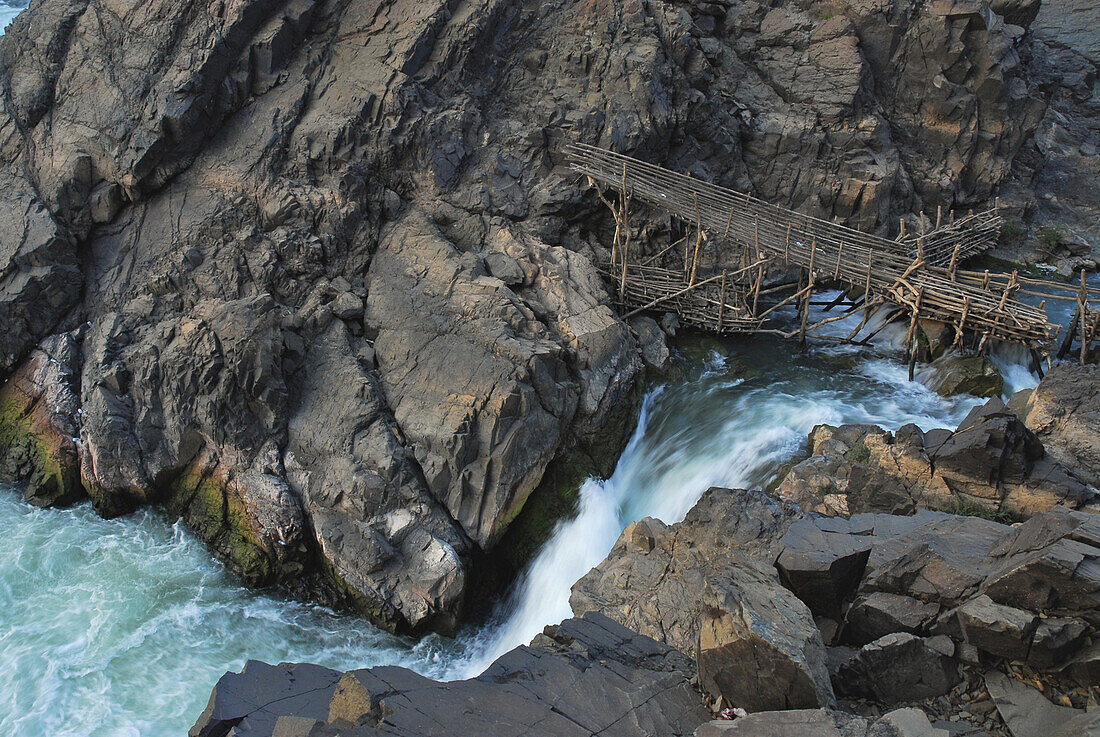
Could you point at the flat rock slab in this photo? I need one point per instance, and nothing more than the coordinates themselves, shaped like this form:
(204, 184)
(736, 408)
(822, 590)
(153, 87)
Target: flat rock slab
(582, 677)
(1026, 711)
(823, 723)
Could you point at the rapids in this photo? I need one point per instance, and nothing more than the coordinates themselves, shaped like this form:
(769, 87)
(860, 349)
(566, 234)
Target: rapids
(121, 627)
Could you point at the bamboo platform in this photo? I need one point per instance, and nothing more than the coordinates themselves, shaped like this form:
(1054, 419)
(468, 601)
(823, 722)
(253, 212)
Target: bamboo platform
(716, 304)
(902, 273)
(955, 241)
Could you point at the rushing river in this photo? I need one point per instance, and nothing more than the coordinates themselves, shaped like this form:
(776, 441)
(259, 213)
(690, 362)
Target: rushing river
(121, 627)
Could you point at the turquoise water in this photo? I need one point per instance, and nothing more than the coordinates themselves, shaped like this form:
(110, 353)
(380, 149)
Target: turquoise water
(120, 627)
(8, 10)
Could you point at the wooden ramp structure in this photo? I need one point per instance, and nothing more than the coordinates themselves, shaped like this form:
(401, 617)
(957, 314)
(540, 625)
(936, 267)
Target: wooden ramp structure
(919, 274)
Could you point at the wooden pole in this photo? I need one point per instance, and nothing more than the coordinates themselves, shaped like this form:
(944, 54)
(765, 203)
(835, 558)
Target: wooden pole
(913, 334)
(806, 299)
(939, 216)
(722, 303)
(954, 262)
(698, 242)
(756, 288)
(1067, 342)
(1084, 320)
(962, 323)
(867, 286)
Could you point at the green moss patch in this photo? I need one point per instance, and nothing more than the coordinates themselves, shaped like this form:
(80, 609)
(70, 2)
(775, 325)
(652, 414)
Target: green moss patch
(48, 470)
(217, 515)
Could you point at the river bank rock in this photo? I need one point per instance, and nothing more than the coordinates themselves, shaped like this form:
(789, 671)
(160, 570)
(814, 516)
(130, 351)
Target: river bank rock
(39, 424)
(582, 677)
(1064, 413)
(991, 463)
(1026, 593)
(823, 723)
(899, 668)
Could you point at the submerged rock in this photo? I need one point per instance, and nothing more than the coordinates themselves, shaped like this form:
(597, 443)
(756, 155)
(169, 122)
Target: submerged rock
(582, 677)
(954, 373)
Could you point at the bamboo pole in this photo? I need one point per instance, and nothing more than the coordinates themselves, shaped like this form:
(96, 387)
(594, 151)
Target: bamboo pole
(698, 242)
(722, 303)
(806, 300)
(913, 335)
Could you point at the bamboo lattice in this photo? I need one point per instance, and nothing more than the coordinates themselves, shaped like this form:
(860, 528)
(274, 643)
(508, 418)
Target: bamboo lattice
(828, 250)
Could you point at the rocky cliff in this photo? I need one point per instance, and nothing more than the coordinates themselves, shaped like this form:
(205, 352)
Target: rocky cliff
(308, 274)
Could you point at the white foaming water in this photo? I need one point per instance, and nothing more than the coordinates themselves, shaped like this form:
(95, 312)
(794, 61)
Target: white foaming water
(120, 627)
(732, 422)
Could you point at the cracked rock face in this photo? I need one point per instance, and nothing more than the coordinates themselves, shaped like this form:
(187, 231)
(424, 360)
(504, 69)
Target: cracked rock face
(332, 294)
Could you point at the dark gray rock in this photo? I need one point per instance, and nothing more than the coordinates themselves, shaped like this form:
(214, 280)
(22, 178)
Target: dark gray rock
(252, 701)
(699, 586)
(823, 723)
(1056, 640)
(759, 648)
(993, 628)
(898, 668)
(1064, 413)
(1025, 710)
(651, 338)
(582, 677)
(823, 569)
(879, 613)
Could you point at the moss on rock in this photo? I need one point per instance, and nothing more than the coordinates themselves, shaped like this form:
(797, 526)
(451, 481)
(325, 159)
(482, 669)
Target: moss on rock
(35, 453)
(216, 514)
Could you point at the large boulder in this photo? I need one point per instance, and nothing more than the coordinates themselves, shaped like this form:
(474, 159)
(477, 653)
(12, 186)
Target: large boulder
(699, 585)
(1064, 412)
(581, 677)
(899, 668)
(759, 648)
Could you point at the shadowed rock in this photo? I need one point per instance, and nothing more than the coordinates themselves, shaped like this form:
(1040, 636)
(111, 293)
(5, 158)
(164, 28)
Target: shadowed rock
(581, 677)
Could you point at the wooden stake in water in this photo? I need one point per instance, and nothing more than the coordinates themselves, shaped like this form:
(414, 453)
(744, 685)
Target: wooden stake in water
(913, 335)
